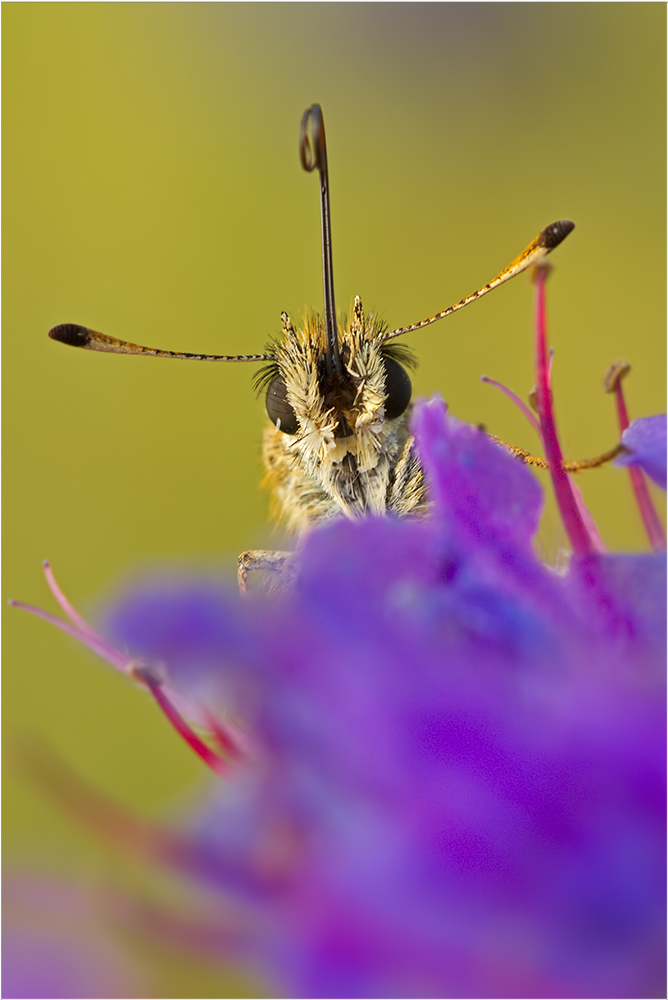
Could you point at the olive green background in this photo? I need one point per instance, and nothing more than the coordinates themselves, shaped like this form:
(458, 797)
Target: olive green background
(152, 190)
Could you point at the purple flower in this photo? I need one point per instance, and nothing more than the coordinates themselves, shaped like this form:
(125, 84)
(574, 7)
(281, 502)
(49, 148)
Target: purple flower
(443, 761)
(455, 784)
(645, 444)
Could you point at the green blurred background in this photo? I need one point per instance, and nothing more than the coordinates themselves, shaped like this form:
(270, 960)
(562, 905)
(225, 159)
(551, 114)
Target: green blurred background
(152, 190)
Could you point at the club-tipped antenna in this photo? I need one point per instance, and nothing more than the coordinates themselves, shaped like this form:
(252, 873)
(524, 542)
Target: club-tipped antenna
(544, 243)
(313, 155)
(90, 340)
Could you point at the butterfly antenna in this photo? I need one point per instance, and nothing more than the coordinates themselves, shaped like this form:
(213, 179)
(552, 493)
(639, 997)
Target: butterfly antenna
(544, 244)
(313, 155)
(90, 340)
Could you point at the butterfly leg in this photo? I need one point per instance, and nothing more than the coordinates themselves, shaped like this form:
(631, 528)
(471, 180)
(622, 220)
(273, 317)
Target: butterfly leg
(265, 559)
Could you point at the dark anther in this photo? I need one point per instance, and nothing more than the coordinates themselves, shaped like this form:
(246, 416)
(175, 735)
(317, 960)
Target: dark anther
(614, 375)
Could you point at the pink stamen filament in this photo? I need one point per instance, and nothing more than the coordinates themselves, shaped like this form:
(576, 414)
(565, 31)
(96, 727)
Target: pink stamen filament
(210, 758)
(224, 738)
(85, 631)
(91, 639)
(589, 522)
(71, 612)
(229, 740)
(587, 519)
(648, 512)
(568, 507)
(522, 406)
(82, 631)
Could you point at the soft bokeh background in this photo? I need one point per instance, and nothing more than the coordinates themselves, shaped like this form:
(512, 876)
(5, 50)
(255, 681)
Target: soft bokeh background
(152, 190)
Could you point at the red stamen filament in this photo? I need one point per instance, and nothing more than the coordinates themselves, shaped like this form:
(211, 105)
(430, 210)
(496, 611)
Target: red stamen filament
(590, 524)
(224, 738)
(648, 512)
(568, 507)
(82, 631)
(587, 519)
(186, 733)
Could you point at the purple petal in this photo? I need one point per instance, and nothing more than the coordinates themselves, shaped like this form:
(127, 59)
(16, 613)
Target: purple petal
(189, 627)
(645, 441)
(474, 482)
(460, 782)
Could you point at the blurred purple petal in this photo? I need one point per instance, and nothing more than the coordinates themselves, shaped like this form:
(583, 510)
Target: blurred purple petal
(457, 778)
(460, 784)
(645, 441)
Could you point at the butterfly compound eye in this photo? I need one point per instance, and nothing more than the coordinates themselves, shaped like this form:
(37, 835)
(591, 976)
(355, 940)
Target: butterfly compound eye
(397, 387)
(279, 408)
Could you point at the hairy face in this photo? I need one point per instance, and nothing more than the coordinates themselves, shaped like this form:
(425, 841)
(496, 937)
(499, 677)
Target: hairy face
(332, 416)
